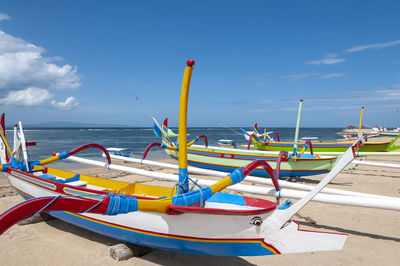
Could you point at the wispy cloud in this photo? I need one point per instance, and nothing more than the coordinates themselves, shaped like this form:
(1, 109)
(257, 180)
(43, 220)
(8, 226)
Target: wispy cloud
(331, 59)
(333, 75)
(373, 46)
(326, 61)
(4, 16)
(352, 99)
(297, 77)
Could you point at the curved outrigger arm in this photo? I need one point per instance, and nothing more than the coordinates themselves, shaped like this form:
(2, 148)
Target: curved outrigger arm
(27, 166)
(173, 147)
(307, 145)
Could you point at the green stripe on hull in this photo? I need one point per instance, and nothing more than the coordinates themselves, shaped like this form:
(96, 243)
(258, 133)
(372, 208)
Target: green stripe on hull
(321, 147)
(212, 157)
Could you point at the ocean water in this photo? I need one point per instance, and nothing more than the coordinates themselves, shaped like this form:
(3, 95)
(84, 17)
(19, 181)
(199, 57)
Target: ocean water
(51, 140)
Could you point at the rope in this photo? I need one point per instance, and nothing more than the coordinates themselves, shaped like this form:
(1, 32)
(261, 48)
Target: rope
(47, 205)
(108, 195)
(241, 134)
(144, 108)
(70, 196)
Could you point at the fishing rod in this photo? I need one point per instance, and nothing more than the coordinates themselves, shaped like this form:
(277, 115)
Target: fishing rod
(145, 109)
(237, 132)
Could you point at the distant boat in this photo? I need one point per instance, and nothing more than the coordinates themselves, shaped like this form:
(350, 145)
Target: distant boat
(227, 143)
(125, 152)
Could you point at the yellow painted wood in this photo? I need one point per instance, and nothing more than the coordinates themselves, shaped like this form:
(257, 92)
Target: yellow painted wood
(183, 117)
(359, 125)
(221, 185)
(49, 160)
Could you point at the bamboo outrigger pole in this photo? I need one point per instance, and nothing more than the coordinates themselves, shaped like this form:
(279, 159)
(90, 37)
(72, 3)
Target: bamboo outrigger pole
(182, 141)
(296, 136)
(359, 125)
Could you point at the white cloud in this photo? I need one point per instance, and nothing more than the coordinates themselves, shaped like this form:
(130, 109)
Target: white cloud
(69, 104)
(29, 97)
(333, 75)
(326, 61)
(4, 16)
(373, 46)
(29, 77)
(22, 65)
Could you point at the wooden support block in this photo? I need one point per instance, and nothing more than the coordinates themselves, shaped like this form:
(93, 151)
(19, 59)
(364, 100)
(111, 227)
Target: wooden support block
(127, 251)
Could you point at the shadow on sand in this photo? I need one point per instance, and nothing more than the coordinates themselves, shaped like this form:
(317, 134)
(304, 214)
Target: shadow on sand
(157, 256)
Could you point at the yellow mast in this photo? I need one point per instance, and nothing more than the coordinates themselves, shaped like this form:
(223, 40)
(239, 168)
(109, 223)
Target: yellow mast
(182, 142)
(359, 126)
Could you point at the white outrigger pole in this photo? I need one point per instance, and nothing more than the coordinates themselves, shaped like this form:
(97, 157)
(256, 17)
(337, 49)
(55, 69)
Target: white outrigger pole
(258, 180)
(379, 202)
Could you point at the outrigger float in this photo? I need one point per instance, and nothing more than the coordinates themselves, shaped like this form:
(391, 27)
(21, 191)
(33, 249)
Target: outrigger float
(202, 221)
(274, 144)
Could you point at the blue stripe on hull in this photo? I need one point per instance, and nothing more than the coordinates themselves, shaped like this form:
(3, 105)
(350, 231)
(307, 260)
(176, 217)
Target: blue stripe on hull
(171, 244)
(256, 172)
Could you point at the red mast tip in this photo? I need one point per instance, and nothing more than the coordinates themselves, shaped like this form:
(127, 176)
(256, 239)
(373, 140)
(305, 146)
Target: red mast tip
(15, 125)
(301, 100)
(190, 62)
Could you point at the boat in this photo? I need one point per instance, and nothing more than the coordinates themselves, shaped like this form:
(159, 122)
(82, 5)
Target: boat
(227, 143)
(285, 164)
(125, 152)
(224, 159)
(342, 146)
(202, 221)
(389, 133)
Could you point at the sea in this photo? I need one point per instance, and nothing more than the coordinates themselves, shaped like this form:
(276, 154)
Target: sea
(49, 140)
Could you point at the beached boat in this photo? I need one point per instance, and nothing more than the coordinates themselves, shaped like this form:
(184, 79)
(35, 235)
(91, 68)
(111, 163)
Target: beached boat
(369, 146)
(227, 143)
(125, 152)
(202, 221)
(227, 159)
(273, 145)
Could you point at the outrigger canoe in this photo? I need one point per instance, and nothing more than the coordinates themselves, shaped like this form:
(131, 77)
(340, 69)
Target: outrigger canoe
(202, 221)
(285, 164)
(274, 144)
(326, 146)
(226, 160)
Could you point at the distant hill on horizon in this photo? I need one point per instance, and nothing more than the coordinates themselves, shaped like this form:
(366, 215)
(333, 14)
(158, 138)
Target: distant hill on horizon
(64, 124)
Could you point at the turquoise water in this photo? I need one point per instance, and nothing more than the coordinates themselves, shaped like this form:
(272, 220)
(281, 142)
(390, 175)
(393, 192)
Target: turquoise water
(51, 140)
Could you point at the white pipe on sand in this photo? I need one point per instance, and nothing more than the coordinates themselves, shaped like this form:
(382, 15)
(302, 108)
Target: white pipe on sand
(390, 165)
(379, 203)
(258, 180)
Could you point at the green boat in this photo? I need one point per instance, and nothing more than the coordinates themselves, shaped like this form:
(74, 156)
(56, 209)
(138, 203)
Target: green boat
(326, 146)
(277, 145)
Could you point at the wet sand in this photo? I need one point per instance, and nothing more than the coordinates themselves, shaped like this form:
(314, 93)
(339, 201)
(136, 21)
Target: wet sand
(373, 235)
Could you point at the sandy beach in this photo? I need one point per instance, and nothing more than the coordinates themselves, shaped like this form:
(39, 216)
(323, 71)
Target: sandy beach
(373, 235)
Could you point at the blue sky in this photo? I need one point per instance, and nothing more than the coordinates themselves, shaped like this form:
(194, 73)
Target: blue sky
(86, 61)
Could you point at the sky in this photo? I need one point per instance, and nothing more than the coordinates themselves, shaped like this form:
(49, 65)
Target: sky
(87, 61)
